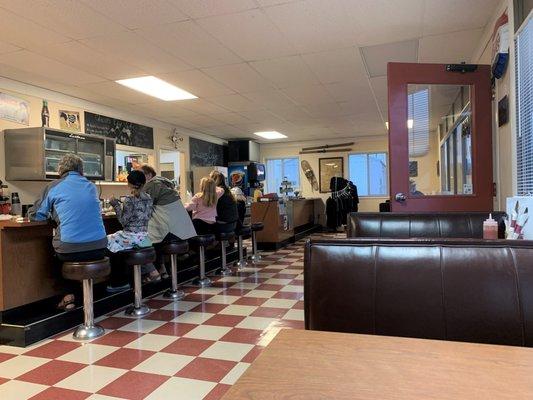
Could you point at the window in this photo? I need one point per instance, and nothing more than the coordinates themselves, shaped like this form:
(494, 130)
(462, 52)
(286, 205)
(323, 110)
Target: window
(418, 122)
(524, 102)
(279, 168)
(368, 171)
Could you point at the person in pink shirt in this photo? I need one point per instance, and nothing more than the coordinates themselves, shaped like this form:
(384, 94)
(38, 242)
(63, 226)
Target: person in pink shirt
(204, 206)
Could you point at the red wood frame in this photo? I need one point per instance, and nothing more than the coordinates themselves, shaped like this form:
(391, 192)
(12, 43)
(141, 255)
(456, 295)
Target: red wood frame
(399, 76)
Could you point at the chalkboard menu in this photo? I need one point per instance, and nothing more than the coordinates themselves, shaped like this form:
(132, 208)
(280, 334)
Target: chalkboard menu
(126, 133)
(207, 154)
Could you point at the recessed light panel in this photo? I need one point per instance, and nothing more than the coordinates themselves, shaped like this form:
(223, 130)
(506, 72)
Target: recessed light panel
(156, 87)
(270, 135)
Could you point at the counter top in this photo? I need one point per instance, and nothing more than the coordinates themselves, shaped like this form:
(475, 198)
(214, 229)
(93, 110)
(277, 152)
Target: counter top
(13, 224)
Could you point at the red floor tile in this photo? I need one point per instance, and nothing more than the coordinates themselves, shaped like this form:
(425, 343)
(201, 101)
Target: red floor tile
(5, 356)
(3, 380)
(53, 349)
(236, 292)
(53, 393)
(285, 276)
(299, 305)
(51, 372)
(125, 358)
(269, 312)
(174, 329)
(289, 295)
(240, 335)
(217, 392)
(163, 315)
(250, 301)
(156, 304)
(206, 369)
(297, 282)
(268, 286)
(114, 322)
(118, 338)
(224, 320)
(134, 385)
(254, 280)
(209, 308)
(252, 354)
(197, 297)
(188, 347)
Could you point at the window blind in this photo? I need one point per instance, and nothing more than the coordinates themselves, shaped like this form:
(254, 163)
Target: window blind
(418, 123)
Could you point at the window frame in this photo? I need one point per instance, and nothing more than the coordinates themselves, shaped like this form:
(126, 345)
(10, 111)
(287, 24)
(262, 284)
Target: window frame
(387, 173)
(297, 157)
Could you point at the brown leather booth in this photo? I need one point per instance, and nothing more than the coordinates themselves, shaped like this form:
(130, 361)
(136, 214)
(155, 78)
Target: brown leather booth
(422, 225)
(449, 289)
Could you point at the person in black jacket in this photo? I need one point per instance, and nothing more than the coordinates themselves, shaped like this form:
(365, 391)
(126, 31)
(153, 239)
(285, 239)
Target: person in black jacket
(227, 214)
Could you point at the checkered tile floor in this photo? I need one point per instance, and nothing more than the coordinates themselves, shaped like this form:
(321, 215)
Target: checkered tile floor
(192, 349)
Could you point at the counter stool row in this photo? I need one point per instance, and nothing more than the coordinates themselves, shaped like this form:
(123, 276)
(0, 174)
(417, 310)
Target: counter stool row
(89, 271)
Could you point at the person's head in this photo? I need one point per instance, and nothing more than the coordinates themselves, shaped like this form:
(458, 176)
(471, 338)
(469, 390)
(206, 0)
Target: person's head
(136, 181)
(149, 172)
(219, 178)
(70, 163)
(208, 192)
(238, 194)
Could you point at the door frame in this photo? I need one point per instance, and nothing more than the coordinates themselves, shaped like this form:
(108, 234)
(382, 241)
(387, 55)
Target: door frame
(400, 75)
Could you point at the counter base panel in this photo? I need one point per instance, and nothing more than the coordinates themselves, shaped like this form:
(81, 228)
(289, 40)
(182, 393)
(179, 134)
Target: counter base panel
(299, 233)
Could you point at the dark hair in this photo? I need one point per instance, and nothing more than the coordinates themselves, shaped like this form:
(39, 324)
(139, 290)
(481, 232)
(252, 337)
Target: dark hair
(220, 181)
(148, 170)
(136, 179)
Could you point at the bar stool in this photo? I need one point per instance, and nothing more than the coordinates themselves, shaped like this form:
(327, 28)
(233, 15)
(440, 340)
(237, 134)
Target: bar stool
(136, 258)
(241, 232)
(224, 238)
(174, 249)
(86, 272)
(256, 227)
(201, 242)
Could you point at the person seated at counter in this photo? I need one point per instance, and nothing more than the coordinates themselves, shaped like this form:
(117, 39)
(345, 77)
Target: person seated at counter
(240, 198)
(169, 220)
(227, 213)
(204, 206)
(72, 202)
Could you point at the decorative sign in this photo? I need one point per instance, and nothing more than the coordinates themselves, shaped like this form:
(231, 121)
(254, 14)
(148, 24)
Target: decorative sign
(69, 120)
(14, 109)
(206, 154)
(126, 133)
(329, 168)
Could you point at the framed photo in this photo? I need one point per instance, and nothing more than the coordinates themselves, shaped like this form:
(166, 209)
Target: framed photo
(69, 120)
(329, 168)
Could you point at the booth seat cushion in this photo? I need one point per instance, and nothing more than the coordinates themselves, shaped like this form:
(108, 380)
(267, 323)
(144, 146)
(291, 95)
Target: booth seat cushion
(422, 225)
(450, 289)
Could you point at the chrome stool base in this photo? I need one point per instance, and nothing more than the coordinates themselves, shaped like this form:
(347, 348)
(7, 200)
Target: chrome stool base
(174, 294)
(204, 282)
(84, 332)
(137, 311)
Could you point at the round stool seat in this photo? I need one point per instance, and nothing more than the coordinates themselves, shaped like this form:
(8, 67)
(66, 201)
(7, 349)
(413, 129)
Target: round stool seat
(202, 240)
(244, 231)
(146, 255)
(257, 226)
(178, 248)
(81, 270)
(225, 236)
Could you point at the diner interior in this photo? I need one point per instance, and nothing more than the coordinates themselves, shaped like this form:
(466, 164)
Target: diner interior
(266, 199)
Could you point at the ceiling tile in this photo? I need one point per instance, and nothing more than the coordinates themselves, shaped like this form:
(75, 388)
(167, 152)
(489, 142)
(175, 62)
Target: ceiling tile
(202, 106)
(326, 110)
(232, 118)
(268, 3)
(456, 15)
(377, 57)
(271, 98)
(8, 48)
(452, 47)
(286, 71)
(314, 25)
(351, 90)
(239, 77)
(190, 42)
(197, 83)
(255, 39)
(70, 18)
(384, 21)
(235, 102)
(164, 109)
(208, 8)
(380, 89)
(336, 65)
(309, 94)
(56, 71)
(113, 89)
(138, 52)
(135, 14)
(294, 114)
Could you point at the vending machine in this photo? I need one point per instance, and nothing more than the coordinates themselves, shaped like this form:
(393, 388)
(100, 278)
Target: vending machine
(246, 176)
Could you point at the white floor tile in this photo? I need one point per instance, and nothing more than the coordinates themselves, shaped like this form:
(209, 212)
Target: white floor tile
(234, 309)
(296, 315)
(245, 285)
(182, 388)
(274, 281)
(12, 350)
(293, 288)
(142, 325)
(19, 365)
(181, 305)
(91, 379)
(256, 323)
(268, 336)
(235, 373)
(279, 303)
(209, 290)
(231, 279)
(264, 294)
(292, 271)
(193, 317)
(151, 342)
(208, 332)
(88, 353)
(164, 364)
(222, 299)
(227, 351)
(18, 390)
(102, 397)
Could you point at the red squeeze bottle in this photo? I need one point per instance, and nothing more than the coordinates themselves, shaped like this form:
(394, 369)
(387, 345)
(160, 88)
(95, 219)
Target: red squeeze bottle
(490, 228)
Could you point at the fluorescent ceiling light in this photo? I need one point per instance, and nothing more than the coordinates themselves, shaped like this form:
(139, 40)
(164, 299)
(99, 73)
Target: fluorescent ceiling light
(270, 135)
(387, 124)
(156, 87)
(410, 123)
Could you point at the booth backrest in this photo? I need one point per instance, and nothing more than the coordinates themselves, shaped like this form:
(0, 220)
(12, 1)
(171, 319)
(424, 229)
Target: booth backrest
(449, 289)
(426, 225)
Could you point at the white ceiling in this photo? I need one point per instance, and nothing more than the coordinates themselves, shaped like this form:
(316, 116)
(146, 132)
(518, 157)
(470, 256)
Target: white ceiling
(308, 68)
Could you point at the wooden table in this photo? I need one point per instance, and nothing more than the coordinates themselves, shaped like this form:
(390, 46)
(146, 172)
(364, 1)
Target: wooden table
(313, 365)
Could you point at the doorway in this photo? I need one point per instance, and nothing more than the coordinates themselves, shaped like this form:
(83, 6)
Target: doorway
(170, 165)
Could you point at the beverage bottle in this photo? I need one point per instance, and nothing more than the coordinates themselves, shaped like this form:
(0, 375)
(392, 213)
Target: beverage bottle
(16, 207)
(490, 228)
(45, 114)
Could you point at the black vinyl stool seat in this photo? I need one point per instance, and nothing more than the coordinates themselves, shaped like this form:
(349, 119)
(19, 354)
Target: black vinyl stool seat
(136, 258)
(87, 272)
(241, 232)
(174, 249)
(224, 238)
(256, 227)
(200, 243)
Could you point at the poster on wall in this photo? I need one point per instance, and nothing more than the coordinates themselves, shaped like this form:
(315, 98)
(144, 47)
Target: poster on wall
(14, 109)
(126, 133)
(206, 154)
(69, 120)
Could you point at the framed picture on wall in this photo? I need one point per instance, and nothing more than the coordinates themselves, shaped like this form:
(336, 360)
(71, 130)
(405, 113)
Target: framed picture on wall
(329, 168)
